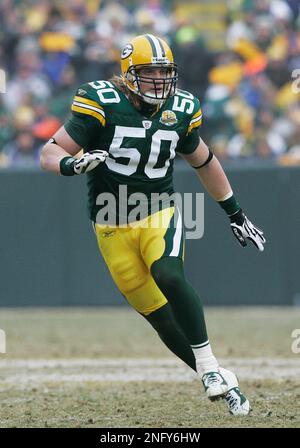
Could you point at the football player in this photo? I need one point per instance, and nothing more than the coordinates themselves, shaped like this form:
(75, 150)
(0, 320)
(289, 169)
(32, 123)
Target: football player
(130, 128)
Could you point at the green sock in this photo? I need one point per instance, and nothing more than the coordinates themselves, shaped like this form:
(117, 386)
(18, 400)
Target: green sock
(163, 321)
(185, 303)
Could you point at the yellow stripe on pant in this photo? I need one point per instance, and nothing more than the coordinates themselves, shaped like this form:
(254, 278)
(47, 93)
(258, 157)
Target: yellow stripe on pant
(130, 251)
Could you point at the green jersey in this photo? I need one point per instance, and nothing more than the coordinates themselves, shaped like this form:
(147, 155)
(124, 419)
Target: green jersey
(141, 145)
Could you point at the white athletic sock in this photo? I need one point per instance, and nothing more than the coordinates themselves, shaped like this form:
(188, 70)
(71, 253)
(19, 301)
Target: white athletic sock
(205, 360)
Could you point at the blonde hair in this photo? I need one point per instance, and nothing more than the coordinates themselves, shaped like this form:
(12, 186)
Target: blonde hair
(119, 82)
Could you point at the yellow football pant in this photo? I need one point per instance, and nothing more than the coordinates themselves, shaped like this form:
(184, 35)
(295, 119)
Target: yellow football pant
(130, 251)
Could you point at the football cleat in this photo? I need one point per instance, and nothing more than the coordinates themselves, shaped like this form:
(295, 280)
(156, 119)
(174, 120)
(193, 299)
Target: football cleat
(236, 402)
(215, 385)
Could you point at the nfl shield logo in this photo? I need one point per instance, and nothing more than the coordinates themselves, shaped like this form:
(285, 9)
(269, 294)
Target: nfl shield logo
(147, 124)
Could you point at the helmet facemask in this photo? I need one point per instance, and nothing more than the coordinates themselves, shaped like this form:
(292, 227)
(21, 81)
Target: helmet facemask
(160, 88)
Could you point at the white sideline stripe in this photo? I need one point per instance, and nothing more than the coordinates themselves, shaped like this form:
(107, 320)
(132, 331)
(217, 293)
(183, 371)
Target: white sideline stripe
(31, 372)
(86, 362)
(143, 362)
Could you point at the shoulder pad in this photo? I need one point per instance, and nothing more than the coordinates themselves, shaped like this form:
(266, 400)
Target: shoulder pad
(189, 105)
(86, 102)
(185, 102)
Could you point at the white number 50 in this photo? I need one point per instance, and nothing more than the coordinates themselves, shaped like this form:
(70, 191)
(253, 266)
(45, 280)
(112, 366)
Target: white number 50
(133, 155)
(106, 92)
(186, 102)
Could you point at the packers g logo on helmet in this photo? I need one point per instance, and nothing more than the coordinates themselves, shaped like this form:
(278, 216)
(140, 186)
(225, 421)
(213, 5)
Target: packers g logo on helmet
(148, 52)
(127, 50)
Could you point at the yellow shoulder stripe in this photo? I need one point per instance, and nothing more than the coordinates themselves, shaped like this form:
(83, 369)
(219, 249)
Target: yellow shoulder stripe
(80, 99)
(196, 124)
(93, 113)
(197, 114)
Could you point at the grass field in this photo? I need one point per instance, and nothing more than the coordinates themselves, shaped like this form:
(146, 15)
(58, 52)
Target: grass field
(106, 368)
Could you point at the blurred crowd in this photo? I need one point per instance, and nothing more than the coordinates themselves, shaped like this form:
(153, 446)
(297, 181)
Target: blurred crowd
(250, 90)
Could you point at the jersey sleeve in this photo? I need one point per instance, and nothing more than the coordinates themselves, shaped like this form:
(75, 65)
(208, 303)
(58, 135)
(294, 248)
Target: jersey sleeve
(87, 119)
(189, 143)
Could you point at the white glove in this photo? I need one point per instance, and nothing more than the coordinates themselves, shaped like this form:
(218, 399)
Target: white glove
(243, 229)
(89, 161)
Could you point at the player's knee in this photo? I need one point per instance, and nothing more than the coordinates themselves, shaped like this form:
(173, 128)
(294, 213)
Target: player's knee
(161, 319)
(166, 278)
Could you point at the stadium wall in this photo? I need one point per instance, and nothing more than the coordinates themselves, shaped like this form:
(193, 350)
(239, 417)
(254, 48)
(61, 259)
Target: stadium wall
(49, 255)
